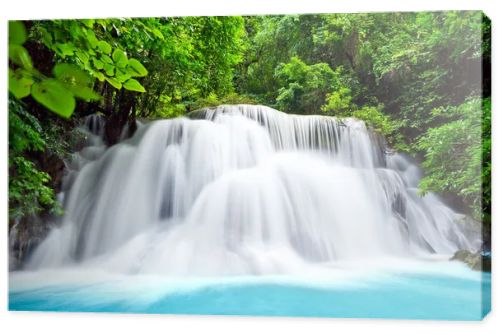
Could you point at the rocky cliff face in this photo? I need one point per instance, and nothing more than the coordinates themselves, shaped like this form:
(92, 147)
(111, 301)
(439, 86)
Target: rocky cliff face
(24, 236)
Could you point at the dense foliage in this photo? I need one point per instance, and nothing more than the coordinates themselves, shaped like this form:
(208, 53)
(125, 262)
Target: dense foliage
(420, 79)
(28, 189)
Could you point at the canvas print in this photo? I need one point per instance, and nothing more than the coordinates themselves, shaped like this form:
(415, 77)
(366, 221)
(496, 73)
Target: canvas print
(319, 165)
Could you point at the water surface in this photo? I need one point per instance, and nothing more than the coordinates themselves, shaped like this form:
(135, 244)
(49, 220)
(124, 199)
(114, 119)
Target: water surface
(455, 295)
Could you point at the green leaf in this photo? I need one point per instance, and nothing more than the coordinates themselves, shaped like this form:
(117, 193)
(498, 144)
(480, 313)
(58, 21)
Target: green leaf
(85, 93)
(98, 64)
(20, 56)
(136, 69)
(132, 84)
(83, 56)
(109, 69)
(88, 22)
(75, 80)
(106, 59)
(20, 83)
(65, 49)
(92, 39)
(54, 96)
(120, 58)
(72, 75)
(114, 82)
(47, 38)
(76, 30)
(98, 75)
(104, 47)
(17, 33)
(158, 34)
(121, 75)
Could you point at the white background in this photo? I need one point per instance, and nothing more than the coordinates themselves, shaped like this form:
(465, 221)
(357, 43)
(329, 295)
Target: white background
(114, 323)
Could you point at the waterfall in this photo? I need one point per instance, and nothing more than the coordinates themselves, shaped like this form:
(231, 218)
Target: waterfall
(244, 190)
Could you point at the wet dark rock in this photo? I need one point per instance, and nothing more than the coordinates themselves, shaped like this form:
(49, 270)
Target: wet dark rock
(476, 261)
(24, 236)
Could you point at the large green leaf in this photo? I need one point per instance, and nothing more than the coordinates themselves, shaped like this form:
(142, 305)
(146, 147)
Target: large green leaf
(136, 69)
(120, 58)
(132, 84)
(109, 69)
(121, 75)
(83, 56)
(65, 49)
(77, 81)
(20, 56)
(106, 59)
(17, 33)
(72, 74)
(98, 64)
(98, 75)
(20, 83)
(92, 39)
(54, 96)
(104, 47)
(114, 82)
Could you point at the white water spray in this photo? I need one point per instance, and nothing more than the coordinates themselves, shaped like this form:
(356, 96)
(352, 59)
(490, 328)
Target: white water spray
(245, 190)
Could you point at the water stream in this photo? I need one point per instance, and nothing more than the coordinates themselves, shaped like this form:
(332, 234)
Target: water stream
(246, 191)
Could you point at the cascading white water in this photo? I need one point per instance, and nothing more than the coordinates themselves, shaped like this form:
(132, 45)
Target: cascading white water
(244, 190)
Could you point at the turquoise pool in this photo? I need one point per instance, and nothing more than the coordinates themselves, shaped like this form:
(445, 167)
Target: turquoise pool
(416, 295)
